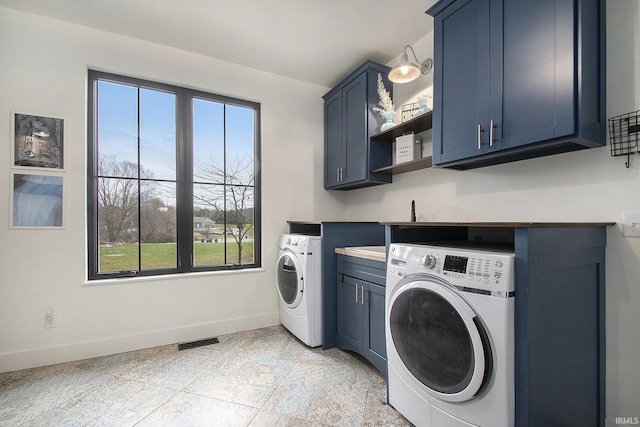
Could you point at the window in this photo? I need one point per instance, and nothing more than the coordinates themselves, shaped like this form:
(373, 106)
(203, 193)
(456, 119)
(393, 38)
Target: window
(173, 179)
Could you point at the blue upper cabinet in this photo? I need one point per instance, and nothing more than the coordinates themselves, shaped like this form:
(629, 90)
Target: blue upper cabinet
(349, 121)
(516, 79)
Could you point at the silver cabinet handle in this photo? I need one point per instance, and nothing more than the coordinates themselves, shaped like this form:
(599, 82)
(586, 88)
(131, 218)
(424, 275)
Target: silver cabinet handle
(338, 174)
(492, 124)
(356, 292)
(362, 294)
(479, 137)
(341, 174)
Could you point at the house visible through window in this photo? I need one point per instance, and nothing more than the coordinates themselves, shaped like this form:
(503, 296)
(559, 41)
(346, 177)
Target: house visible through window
(173, 179)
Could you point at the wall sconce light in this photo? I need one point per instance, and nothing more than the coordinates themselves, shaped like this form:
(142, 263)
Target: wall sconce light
(408, 71)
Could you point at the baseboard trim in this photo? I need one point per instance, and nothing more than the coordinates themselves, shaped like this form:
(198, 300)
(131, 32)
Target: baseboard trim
(43, 356)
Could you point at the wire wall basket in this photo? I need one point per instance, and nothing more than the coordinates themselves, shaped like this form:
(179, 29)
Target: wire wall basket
(624, 134)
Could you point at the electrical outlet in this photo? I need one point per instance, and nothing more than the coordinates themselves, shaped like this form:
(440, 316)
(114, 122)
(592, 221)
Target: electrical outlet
(631, 224)
(49, 319)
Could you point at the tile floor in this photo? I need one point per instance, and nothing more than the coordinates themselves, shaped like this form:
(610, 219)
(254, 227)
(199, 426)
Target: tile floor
(264, 377)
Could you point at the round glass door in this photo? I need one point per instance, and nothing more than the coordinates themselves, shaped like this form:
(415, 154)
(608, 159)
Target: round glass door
(439, 340)
(289, 279)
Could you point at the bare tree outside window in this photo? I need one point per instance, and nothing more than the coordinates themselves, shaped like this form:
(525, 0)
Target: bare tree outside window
(158, 223)
(231, 197)
(118, 196)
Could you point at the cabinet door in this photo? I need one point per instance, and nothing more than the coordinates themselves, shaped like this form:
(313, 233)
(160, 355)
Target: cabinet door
(355, 124)
(334, 139)
(538, 70)
(350, 309)
(375, 339)
(461, 81)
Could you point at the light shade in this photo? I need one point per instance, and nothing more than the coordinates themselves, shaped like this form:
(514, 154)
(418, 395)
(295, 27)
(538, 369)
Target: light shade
(408, 71)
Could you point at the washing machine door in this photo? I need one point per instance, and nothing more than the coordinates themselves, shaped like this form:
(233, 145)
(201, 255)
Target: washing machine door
(436, 334)
(289, 279)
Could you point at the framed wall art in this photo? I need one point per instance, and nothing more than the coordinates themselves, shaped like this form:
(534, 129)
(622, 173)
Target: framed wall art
(37, 141)
(37, 200)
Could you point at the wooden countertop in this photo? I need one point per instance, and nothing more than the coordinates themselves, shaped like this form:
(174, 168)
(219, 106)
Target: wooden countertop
(374, 253)
(497, 224)
(502, 224)
(331, 222)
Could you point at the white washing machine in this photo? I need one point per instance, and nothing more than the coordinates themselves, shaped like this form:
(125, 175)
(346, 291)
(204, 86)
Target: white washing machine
(299, 283)
(449, 314)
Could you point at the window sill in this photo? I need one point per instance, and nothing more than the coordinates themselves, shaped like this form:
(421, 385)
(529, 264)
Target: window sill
(181, 276)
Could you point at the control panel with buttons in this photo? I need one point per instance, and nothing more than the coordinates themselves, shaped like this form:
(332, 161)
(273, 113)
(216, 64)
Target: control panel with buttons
(294, 243)
(482, 269)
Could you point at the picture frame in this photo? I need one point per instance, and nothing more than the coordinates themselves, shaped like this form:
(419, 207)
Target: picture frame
(37, 142)
(37, 200)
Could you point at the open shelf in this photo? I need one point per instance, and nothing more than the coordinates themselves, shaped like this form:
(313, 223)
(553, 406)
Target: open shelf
(416, 125)
(413, 165)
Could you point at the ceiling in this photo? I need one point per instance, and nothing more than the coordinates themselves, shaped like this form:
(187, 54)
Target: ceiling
(317, 41)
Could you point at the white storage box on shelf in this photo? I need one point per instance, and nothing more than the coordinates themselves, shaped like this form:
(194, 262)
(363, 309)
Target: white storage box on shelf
(408, 148)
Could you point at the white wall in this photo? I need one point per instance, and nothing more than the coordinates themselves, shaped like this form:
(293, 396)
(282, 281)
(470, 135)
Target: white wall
(588, 185)
(44, 71)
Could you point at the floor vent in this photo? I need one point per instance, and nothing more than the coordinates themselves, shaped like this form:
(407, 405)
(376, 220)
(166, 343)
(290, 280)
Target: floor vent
(200, 343)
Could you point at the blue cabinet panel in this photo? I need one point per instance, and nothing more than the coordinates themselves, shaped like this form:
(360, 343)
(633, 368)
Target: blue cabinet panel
(349, 121)
(538, 90)
(516, 79)
(355, 123)
(562, 373)
(560, 330)
(340, 235)
(463, 55)
(361, 305)
(350, 309)
(333, 129)
(375, 339)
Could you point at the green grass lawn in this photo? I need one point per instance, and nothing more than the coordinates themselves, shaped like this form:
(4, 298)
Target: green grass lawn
(163, 255)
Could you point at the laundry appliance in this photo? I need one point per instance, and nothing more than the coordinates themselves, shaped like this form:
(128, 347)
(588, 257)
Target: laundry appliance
(449, 321)
(299, 283)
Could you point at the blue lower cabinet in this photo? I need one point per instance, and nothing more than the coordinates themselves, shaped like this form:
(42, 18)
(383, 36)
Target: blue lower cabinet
(360, 309)
(375, 346)
(560, 327)
(350, 313)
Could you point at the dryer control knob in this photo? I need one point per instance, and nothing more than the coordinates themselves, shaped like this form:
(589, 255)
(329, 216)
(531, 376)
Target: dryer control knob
(429, 261)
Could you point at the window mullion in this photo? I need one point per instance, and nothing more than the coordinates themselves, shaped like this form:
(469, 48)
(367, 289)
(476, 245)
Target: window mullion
(184, 187)
(224, 182)
(139, 183)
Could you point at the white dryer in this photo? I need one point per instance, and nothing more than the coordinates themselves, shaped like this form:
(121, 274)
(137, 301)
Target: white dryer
(449, 321)
(299, 283)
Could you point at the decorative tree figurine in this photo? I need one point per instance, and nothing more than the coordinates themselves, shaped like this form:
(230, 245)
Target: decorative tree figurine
(385, 108)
